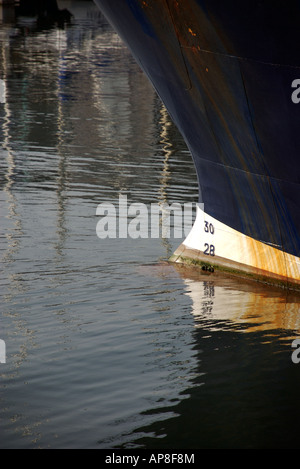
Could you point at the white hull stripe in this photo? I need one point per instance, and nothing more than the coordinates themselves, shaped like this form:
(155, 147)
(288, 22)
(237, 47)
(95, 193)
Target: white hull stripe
(211, 242)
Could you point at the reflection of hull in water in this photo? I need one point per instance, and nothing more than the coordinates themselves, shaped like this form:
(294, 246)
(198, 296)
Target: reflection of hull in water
(228, 76)
(213, 296)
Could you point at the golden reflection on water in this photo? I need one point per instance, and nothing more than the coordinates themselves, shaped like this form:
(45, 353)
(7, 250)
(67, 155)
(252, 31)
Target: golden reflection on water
(221, 298)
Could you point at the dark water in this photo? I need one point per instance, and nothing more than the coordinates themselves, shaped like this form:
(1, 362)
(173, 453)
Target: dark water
(109, 346)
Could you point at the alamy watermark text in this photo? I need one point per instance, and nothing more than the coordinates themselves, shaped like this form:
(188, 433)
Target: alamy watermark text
(138, 220)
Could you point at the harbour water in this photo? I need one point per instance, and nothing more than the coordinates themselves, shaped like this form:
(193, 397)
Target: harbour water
(108, 346)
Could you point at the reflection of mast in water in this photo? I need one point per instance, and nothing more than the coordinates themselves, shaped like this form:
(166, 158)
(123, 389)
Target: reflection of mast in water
(62, 165)
(14, 236)
(168, 150)
(14, 233)
(61, 187)
(164, 180)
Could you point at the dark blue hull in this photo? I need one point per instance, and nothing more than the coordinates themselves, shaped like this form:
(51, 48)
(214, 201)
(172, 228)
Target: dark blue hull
(229, 74)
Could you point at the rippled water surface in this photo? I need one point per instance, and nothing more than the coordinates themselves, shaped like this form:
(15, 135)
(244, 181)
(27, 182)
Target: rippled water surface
(108, 345)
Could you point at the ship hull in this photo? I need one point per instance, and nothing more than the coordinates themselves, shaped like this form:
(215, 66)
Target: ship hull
(229, 77)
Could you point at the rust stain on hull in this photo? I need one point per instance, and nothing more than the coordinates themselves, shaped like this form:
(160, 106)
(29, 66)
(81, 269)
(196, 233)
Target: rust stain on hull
(187, 256)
